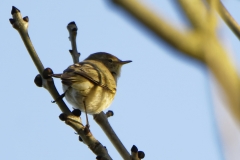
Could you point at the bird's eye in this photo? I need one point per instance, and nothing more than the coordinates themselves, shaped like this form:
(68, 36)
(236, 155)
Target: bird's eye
(110, 60)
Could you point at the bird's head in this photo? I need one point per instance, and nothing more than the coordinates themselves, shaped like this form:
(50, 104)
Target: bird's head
(113, 63)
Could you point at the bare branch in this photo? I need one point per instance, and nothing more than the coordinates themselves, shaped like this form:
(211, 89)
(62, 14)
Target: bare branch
(195, 11)
(201, 44)
(198, 15)
(72, 29)
(228, 19)
(216, 57)
(86, 136)
(185, 42)
(44, 79)
(102, 120)
(21, 25)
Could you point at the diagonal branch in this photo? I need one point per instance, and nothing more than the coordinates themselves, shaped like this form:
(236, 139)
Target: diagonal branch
(185, 42)
(102, 121)
(201, 44)
(21, 25)
(100, 118)
(44, 79)
(86, 136)
(228, 19)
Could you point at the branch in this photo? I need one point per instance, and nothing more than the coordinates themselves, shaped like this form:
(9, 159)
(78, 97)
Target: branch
(185, 42)
(102, 121)
(195, 11)
(201, 44)
(100, 118)
(72, 29)
(44, 79)
(201, 19)
(85, 135)
(228, 19)
(21, 25)
(216, 58)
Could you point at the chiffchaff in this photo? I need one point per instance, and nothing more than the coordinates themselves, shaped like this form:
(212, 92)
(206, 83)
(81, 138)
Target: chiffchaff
(91, 85)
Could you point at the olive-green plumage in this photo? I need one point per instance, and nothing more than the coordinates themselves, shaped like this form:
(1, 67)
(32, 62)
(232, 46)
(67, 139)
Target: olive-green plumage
(92, 82)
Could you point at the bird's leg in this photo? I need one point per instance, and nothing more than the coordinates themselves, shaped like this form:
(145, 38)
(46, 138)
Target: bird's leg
(85, 108)
(60, 97)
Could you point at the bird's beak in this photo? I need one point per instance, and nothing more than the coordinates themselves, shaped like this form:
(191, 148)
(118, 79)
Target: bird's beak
(124, 62)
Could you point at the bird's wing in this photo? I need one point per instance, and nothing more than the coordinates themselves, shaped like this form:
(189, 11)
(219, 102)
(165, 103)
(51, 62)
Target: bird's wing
(82, 72)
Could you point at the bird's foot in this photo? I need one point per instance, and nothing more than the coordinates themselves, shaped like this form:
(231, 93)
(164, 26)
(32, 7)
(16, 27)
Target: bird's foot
(86, 129)
(60, 97)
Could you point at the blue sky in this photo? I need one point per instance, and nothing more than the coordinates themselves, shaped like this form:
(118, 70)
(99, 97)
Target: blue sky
(164, 102)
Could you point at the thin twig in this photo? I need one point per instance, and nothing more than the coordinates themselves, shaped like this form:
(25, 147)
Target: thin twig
(101, 118)
(228, 19)
(72, 29)
(102, 121)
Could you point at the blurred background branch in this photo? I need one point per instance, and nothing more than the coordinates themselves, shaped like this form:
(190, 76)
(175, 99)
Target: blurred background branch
(228, 19)
(166, 85)
(202, 44)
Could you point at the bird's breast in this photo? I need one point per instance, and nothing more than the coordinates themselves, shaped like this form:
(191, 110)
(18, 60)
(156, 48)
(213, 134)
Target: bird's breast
(96, 99)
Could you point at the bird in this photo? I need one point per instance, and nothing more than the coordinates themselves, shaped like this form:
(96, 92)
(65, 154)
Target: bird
(91, 85)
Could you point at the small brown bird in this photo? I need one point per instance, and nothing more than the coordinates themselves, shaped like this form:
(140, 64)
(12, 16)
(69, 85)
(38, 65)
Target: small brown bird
(91, 85)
